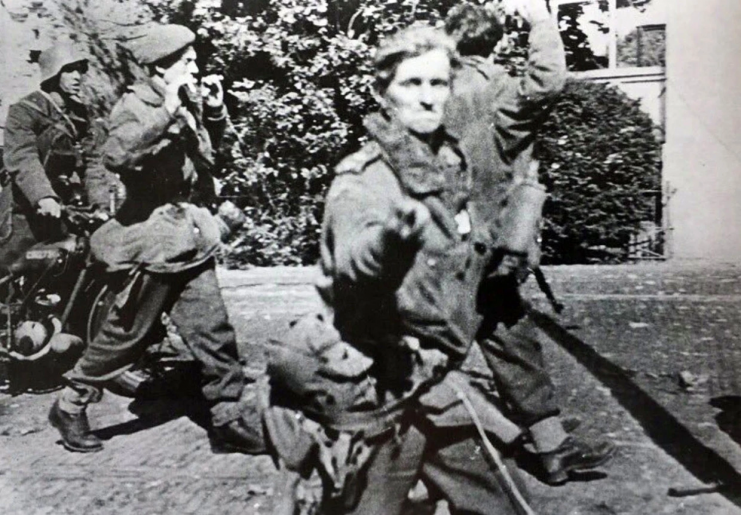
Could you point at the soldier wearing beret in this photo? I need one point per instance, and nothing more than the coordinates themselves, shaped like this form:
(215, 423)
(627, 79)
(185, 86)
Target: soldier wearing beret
(45, 133)
(159, 248)
(498, 117)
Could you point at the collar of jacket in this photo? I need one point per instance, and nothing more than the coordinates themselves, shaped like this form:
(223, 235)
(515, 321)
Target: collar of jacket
(150, 92)
(411, 159)
(58, 99)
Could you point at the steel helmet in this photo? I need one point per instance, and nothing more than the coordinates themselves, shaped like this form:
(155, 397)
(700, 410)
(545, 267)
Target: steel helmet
(52, 60)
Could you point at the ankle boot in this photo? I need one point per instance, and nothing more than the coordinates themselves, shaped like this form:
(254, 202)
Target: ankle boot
(573, 456)
(75, 430)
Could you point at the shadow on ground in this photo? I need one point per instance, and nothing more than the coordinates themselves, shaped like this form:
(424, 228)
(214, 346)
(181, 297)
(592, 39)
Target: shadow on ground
(729, 418)
(658, 423)
(161, 398)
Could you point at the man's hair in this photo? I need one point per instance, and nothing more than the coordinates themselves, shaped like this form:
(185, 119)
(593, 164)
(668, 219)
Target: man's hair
(406, 44)
(475, 29)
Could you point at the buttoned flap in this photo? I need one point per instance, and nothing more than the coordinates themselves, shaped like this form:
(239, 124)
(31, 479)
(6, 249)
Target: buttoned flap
(342, 360)
(437, 299)
(311, 367)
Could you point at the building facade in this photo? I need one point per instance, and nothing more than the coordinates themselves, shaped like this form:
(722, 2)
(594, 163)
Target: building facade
(680, 59)
(702, 153)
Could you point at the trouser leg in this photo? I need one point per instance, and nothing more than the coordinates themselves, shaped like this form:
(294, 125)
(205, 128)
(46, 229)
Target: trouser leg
(451, 462)
(511, 344)
(386, 480)
(515, 356)
(455, 467)
(16, 237)
(121, 340)
(202, 320)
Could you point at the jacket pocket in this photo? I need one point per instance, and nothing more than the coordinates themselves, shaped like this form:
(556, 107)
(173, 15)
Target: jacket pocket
(437, 300)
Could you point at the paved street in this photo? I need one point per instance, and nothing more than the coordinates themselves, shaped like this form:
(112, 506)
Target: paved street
(646, 356)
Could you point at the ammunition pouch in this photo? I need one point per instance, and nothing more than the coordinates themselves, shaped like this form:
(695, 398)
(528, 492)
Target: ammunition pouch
(312, 370)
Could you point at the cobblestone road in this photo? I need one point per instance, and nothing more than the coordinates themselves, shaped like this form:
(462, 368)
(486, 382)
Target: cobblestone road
(157, 458)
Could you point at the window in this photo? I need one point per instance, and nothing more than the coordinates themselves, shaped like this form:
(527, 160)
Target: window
(608, 34)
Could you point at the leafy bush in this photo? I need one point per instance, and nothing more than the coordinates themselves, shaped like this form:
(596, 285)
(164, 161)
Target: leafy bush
(298, 84)
(601, 163)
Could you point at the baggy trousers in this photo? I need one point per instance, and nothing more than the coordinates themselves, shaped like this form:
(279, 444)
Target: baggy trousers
(511, 344)
(195, 305)
(451, 463)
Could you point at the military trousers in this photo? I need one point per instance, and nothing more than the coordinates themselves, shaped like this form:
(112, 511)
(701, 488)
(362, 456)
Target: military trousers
(510, 341)
(450, 462)
(193, 300)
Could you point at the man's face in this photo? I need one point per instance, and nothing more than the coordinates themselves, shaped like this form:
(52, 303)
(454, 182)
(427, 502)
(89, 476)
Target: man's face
(70, 78)
(183, 70)
(418, 92)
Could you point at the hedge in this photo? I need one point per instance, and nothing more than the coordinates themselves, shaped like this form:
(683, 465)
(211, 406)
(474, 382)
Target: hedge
(298, 80)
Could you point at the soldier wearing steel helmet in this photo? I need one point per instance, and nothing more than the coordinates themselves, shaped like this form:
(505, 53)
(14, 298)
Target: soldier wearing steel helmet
(45, 133)
(161, 140)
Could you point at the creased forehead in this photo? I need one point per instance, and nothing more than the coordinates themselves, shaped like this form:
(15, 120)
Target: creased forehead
(407, 43)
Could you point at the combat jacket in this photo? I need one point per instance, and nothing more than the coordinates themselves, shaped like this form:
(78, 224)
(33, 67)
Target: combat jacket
(165, 163)
(380, 288)
(46, 143)
(43, 140)
(360, 375)
(497, 115)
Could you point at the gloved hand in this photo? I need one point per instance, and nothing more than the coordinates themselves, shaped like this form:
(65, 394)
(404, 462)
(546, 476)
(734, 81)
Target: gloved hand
(408, 220)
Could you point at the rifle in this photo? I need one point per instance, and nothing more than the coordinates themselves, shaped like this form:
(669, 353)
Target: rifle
(545, 287)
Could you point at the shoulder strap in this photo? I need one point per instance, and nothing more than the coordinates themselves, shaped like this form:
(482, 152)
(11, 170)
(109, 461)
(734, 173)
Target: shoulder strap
(58, 109)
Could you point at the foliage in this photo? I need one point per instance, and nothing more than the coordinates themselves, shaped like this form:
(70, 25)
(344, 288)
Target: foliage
(601, 162)
(642, 48)
(579, 53)
(298, 84)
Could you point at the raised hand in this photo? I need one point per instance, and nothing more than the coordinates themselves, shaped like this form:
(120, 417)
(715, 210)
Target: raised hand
(212, 91)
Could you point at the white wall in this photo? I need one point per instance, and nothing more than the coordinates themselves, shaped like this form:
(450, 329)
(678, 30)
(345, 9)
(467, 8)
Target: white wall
(703, 147)
(646, 85)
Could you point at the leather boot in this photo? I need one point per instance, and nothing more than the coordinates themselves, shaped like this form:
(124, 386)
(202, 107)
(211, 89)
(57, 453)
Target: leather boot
(75, 430)
(238, 436)
(573, 456)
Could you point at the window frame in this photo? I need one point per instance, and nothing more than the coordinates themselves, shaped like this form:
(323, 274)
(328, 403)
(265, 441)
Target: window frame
(612, 49)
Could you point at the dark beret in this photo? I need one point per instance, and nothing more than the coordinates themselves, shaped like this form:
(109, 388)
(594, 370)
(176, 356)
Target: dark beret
(160, 41)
